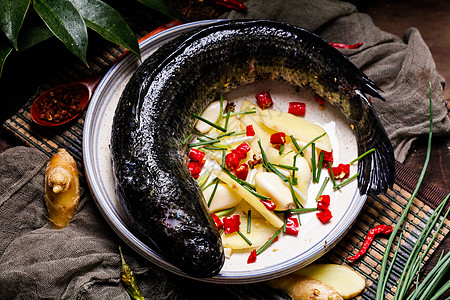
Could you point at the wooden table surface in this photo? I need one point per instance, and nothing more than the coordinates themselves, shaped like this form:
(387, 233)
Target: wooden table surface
(432, 18)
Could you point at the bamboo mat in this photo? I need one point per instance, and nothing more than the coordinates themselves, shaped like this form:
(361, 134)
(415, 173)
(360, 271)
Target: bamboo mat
(385, 209)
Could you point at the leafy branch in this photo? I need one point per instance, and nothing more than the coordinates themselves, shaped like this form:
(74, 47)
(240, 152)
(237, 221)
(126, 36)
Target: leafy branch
(68, 20)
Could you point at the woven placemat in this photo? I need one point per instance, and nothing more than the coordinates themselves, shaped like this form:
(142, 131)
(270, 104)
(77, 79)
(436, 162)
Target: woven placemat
(385, 209)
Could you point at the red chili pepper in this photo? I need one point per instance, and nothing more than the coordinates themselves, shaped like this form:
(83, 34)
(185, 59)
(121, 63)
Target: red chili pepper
(341, 171)
(346, 46)
(197, 156)
(217, 222)
(231, 224)
(380, 229)
(327, 157)
(252, 257)
(297, 108)
(264, 100)
(194, 168)
(234, 4)
(323, 202)
(320, 100)
(324, 216)
(242, 150)
(278, 138)
(249, 130)
(232, 160)
(268, 204)
(292, 225)
(241, 171)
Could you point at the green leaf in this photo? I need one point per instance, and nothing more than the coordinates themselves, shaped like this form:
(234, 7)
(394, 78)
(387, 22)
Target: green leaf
(34, 36)
(66, 23)
(106, 21)
(12, 14)
(5, 50)
(163, 6)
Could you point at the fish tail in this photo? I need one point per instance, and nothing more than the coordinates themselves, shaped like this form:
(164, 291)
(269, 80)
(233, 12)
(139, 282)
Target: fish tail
(376, 170)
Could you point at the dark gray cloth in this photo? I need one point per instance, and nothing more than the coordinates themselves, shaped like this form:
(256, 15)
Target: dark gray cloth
(81, 261)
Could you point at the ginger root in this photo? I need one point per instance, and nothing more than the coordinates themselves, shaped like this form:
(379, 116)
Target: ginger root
(62, 189)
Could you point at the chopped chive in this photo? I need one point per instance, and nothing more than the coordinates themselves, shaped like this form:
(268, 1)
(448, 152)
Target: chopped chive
(268, 165)
(294, 141)
(244, 112)
(332, 174)
(294, 179)
(286, 167)
(226, 134)
(297, 210)
(244, 238)
(285, 222)
(203, 143)
(294, 196)
(209, 122)
(211, 183)
(249, 221)
(201, 180)
(226, 120)
(309, 143)
(223, 159)
(225, 212)
(268, 243)
(281, 149)
(249, 187)
(319, 167)
(362, 155)
(204, 135)
(217, 147)
(313, 162)
(186, 139)
(345, 182)
(287, 153)
(324, 184)
(213, 193)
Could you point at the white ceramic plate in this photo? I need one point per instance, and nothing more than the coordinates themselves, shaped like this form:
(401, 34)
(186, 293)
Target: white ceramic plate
(285, 256)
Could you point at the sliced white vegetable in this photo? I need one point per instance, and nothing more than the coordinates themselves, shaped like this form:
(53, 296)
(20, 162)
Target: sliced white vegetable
(227, 252)
(251, 199)
(300, 128)
(211, 113)
(224, 197)
(347, 282)
(260, 233)
(271, 185)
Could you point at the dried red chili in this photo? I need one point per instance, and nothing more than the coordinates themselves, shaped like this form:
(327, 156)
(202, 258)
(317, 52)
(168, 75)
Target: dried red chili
(278, 138)
(232, 160)
(264, 100)
(327, 157)
(197, 156)
(234, 4)
(380, 229)
(297, 108)
(249, 131)
(324, 216)
(252, 257)
(242, 150)
(341, 171)
(241, 171)
(217, 222)
(323, 202)
(60, 105)
(194, 168)
(268, 204)
(292, 225)
(231, 224)
(320, 100)
(346, 46)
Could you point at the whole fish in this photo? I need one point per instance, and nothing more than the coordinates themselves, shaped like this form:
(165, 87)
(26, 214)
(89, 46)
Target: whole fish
(154, 116)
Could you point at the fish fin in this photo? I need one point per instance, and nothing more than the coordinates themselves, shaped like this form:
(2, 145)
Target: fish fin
(376, 170)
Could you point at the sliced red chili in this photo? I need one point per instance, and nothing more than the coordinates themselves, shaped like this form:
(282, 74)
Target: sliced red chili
(324, 216)
(297, 108)
(292, 225)
(268, 204)
(278, 138)
(194, 168)
(197, 156)
(231, 224)
(327, 157)
(234, 4)
(264, 100)
(323, 202)
(252, 257)
(217, 222)
(232, 160)
(241, 171)
(380, 229)
(242, 149)
(249, 130)
(342, 171)
(346, 46)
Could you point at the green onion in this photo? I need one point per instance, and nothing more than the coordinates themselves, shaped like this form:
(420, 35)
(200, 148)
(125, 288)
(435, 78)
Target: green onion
(294, 141)
(225, 212)
(201, 180)
(249, 221)
(268, 243)
(280, 152)
(287, 153)
(244, 238)
(223, 159)
(286, 167)
(216, 147)
(332, 174)
(362, 155)
(226, 120)
(248, 186)
(226, 134)
(192, 145)
(211, 183)
(244, 112)
(213, 193)
(209, 122)
(294, 196)
(294, 179)
(297, 210)
(319, 167)
(309, 143)
(313, 162)
(285, 222)
(186, 139)
(324, 184)
(270, 167)
(338, 186)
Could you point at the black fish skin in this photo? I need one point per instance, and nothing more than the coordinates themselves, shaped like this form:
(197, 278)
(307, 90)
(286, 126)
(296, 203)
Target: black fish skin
(154, 116)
